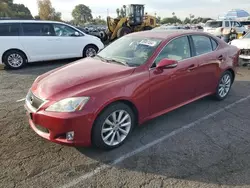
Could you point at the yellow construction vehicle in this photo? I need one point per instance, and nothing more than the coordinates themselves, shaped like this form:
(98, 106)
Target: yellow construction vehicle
(135, 20)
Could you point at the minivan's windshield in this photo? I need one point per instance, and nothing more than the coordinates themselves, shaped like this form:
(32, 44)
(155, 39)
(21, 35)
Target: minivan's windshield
(214, 24)
(130, 50)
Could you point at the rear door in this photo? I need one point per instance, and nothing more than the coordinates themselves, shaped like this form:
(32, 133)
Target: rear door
(209, 59)
(38, 40)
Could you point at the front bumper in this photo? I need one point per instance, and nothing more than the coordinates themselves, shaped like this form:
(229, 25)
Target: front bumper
(54, 126)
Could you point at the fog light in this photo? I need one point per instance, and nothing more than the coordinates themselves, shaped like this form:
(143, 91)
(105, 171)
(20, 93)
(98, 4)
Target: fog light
(70, 135)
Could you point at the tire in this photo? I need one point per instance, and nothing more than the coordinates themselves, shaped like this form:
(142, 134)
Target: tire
(90, 51)
(147, 28)
(225, 84)
(98, 137)
(14, 59)
(123, 31)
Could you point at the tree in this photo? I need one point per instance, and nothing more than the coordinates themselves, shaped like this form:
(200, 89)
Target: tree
(10, 9)
(173, 14)
(20, 11)
(82, 14)
(170, 20)
(46, 11)
(187, 21)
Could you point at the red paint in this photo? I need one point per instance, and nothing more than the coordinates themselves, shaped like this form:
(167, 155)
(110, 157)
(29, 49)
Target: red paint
(153, 92)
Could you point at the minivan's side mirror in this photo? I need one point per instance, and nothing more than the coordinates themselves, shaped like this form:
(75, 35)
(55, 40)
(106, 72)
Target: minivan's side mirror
(167, 64)
(77, 34)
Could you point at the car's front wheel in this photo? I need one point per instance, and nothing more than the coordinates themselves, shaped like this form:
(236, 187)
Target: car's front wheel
(14, 59)
(224, 85)
(90, 51)
(113, 126)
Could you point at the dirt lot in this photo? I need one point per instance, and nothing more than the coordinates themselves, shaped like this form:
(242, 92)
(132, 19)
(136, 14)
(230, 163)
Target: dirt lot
(204, 144)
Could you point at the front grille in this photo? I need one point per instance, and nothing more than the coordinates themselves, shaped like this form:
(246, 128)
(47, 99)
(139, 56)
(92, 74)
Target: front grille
(34, 101)
(245, 52)
(42, 129)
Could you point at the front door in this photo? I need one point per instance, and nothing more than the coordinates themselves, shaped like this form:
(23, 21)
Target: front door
(173, 87)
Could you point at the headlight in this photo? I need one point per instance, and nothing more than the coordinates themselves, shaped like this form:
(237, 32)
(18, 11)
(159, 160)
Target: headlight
(68, 104)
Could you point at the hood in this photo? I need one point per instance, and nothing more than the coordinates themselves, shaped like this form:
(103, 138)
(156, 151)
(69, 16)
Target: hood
(77, 77)
(241, 43)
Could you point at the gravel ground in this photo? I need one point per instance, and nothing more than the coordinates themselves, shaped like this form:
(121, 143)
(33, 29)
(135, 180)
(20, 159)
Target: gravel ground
(212, 152)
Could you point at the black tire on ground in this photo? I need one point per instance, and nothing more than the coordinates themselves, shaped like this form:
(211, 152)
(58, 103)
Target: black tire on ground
(88, 49)
(97, 139)
(146, 28)
(19, 56)
(217, 94)
(123, 31)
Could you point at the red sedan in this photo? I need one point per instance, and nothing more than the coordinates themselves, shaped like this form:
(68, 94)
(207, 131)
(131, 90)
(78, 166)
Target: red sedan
(138, 77)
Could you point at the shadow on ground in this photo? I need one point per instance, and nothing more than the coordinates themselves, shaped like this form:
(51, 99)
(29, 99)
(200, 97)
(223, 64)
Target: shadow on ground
(214, 151)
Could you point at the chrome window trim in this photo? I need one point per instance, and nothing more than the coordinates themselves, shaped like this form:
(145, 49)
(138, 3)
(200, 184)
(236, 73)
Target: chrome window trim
(151, 68)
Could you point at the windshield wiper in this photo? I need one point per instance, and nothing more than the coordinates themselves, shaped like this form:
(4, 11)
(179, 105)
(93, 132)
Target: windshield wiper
(102, 58)
(117, 61)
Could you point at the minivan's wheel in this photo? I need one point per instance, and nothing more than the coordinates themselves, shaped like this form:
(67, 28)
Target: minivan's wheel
(14, 59)
(90, 51)
(224, 85)
(113, 126)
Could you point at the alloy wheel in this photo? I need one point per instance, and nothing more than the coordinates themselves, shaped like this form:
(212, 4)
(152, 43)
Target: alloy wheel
(90, 52)
(15, 60)
(224, 85)
(116, 127)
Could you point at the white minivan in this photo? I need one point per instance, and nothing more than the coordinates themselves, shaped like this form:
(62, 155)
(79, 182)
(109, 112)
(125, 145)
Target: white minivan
(23, 41)
(215, 27)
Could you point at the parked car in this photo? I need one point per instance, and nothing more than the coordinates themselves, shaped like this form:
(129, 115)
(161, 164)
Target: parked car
(244, 45)
(23, 41)
(168, 27)
(216, 27)
(99, 100)
(246, 24)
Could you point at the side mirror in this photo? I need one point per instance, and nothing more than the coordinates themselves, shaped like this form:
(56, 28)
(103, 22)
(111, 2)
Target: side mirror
(167, 64)
(77, 34)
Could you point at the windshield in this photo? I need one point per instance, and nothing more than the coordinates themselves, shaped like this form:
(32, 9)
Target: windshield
(132, 50)
(214, 24)
(247, 36)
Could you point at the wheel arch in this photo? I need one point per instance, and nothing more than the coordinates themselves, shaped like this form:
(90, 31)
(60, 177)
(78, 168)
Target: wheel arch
(124, 101)
(14, 49)
(232, 72)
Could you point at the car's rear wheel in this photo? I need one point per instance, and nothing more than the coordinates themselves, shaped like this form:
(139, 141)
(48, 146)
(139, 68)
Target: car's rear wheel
(224, 85)
(14, 59)
(113, 126)
(90, 51)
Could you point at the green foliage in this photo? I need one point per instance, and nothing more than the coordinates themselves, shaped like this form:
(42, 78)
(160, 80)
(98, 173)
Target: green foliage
(10, 9)
(82, 14)
(171, 20)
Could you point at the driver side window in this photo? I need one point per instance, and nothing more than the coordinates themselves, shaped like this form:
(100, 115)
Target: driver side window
(178, 49)
(64, 30)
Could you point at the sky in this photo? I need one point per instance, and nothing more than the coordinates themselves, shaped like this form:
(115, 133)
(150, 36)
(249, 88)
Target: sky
(163, 8)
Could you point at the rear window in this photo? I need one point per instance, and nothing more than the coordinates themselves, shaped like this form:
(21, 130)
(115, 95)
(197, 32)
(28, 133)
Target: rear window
(9, 29)
(214, 24)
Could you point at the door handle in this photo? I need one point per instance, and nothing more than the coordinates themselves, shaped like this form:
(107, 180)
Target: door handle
(220, 57)
(191, 67)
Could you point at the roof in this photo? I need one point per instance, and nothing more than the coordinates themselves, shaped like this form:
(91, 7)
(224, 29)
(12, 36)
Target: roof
(165, 34)
(28, 21)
